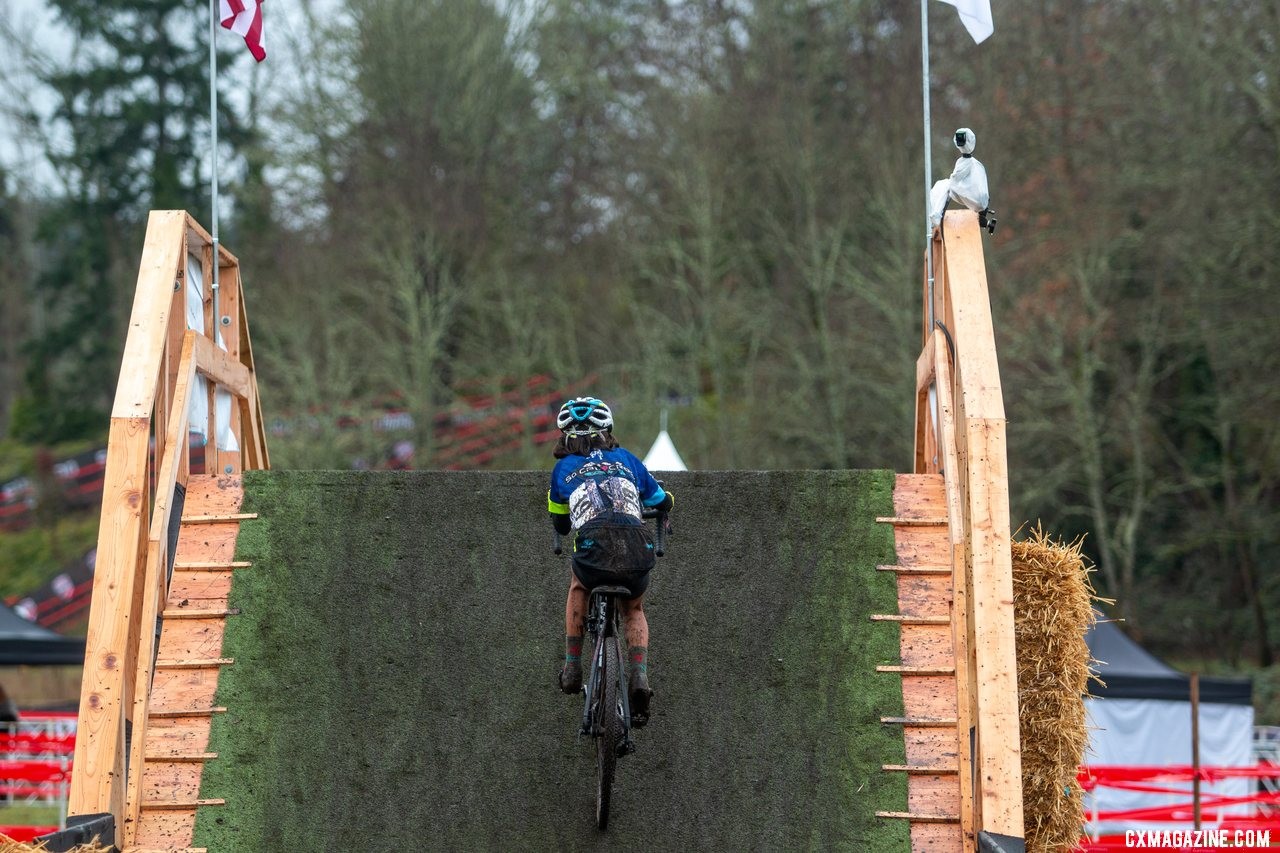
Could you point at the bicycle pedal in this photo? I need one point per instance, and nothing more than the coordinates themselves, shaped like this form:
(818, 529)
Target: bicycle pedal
(627, 747)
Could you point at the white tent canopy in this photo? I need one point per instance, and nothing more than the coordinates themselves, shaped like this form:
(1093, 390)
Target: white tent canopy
(663, 456)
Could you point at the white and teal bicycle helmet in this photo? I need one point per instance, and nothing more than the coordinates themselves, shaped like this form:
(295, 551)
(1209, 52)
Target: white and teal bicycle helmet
(584, 416)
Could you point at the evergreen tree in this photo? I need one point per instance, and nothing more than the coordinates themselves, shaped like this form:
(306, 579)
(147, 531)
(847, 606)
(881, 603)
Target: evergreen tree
(133, 107)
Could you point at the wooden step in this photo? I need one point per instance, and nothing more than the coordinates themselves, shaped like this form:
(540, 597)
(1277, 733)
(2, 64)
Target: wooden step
(167, 805)
(919, 721)
(918, 670)
(916, 570)
(194, 712)
(224, 566)
(911, 620)
(921, 818)
(185, 759)
(920, 769)
(905, 522)
(185, 613)
(194, 663)
(217, 519)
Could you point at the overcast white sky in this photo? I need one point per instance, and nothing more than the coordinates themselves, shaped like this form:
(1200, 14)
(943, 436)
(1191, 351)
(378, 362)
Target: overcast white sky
(38, 32)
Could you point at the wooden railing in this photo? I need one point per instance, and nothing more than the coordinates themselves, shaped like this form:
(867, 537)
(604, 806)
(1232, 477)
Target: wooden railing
(162, 358)
(960, 433)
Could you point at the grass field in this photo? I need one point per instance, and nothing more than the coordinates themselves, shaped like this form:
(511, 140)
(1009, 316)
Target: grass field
(393, 684)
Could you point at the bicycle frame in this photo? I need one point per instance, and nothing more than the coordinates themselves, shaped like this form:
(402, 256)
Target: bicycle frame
(602, 623)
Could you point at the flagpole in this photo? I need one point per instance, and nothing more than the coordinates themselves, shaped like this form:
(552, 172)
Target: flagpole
(928, 164)
(213, 133)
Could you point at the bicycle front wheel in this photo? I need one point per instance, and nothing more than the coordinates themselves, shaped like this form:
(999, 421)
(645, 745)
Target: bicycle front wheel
(609, 726)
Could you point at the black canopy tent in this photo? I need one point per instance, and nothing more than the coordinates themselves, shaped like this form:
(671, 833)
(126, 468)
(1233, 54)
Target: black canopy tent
(1131, 672)
(24, 643)
(1143, 718)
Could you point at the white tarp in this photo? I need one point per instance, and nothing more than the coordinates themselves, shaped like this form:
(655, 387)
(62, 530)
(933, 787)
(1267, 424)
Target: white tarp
(1157, 732)
(195, 322)
(663, 456)
(200, 390)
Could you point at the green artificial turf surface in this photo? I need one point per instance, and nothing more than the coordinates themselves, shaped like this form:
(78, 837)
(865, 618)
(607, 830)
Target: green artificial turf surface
(400, 631)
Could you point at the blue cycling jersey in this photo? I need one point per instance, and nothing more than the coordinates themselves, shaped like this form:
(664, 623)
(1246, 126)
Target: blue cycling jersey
(584, 487)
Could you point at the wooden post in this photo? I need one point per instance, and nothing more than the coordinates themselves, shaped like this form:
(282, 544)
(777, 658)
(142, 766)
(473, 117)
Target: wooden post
(982, 482)
(132, 557)
(107, 686)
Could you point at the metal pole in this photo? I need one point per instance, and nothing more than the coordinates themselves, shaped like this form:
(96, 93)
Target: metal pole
(928, 164)
(213, 133)
(1195, 748)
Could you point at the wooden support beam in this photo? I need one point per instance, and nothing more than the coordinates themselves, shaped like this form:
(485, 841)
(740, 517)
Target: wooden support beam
(941, 722)
(919, 769)
(918, 670)
(981, 485)
(221, 367)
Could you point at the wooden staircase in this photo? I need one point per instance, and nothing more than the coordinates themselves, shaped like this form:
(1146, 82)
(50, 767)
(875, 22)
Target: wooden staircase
(926, 615)
(188, 662)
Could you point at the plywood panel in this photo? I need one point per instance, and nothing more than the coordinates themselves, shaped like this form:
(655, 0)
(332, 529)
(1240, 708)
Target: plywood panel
(202, 589)
(924, 595)
(932, 746)
(928, 696)
(935, 795)
(927, 646)
(183, 689)
(178, 735)
(166, 830)
(921, 546)
(919, 496)
(215, 495)
(207, 542)
(191, 638)
(936, 838)
(170, 781)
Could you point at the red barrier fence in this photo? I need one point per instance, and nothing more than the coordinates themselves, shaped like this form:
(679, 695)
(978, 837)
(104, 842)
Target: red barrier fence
(35, 767)
(1223, 823)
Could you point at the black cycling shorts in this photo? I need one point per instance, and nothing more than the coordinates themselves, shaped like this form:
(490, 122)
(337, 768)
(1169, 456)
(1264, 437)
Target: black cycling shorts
(636, 582)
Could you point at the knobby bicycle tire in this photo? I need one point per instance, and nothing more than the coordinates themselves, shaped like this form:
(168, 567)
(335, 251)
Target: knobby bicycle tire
(610, 728)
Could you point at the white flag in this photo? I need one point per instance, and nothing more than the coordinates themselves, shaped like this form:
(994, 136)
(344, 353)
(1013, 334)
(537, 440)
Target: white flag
(976, 17)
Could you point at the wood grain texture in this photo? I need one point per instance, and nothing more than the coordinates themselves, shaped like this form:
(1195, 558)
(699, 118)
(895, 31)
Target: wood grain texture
(186, 674)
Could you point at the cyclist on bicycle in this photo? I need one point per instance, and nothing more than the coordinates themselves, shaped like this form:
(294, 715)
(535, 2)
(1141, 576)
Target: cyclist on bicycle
(598, 489)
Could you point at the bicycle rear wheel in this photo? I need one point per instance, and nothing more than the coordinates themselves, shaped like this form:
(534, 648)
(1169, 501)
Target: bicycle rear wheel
(609, 724)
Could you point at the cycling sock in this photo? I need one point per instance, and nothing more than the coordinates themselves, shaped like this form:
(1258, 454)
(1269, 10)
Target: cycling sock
(572, 650)
(640, 659)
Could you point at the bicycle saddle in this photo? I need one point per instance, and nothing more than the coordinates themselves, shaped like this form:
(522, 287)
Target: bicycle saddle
(611, 590)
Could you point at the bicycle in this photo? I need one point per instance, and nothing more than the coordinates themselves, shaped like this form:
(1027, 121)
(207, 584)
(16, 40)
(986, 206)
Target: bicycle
(606, 708)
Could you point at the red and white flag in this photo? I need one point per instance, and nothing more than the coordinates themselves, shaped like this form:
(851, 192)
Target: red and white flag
(244, 18)
(976, 17)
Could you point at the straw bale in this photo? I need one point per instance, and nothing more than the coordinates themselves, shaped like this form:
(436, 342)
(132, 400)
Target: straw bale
(7, 846)
(1053, 607)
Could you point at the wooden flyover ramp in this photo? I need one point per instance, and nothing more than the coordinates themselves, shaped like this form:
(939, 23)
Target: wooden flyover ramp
(168, 536)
